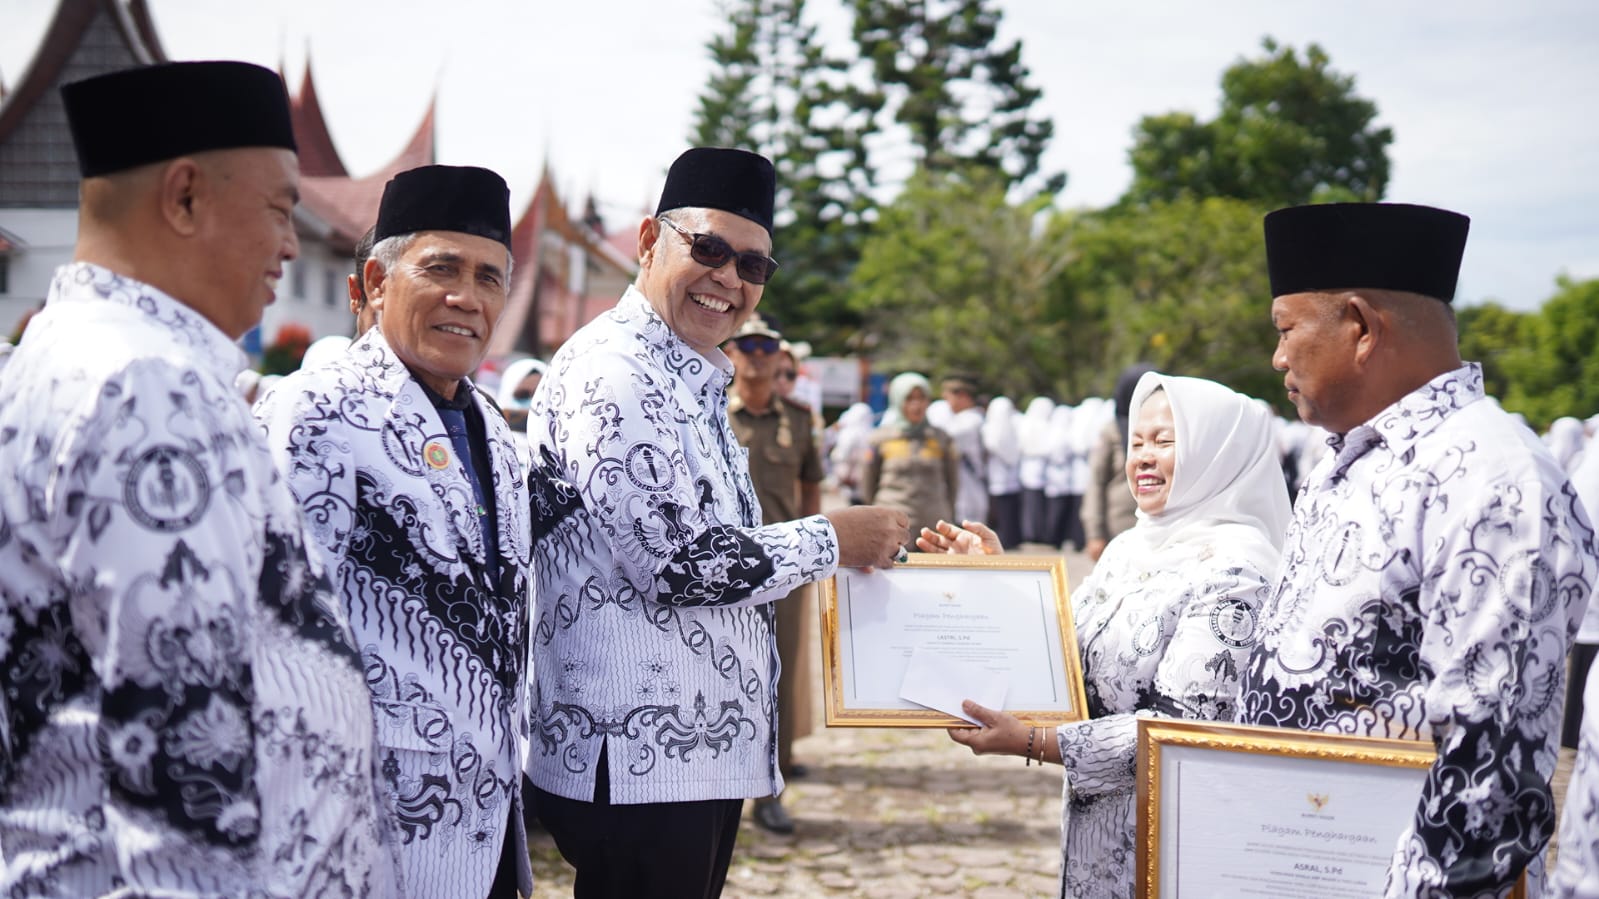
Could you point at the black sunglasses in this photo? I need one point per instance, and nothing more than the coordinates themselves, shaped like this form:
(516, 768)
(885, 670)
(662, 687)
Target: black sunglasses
(786, 376)
(767, 345)
(713, 252)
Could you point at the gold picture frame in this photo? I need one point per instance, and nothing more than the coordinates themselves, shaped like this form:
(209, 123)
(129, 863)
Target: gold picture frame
(1003, 596)
(1263, 820)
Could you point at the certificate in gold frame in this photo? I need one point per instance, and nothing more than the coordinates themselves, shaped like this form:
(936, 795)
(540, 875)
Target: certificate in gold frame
(1033, 586)
(1160, 738)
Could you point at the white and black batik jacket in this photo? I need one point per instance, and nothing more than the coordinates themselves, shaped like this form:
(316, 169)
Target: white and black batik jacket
(394, 517)
(653, 625)
(1433, 577)
(183, 711)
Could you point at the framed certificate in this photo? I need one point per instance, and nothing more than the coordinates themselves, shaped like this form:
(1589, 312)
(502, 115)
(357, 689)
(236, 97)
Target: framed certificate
(1230, 810)
(982, 623)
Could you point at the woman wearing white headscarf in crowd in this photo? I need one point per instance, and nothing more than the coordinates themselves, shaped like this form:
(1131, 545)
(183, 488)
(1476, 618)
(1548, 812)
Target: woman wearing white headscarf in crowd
(1167, 617)
(1034, 431)
(324, 350)
(911, 465)
(1565, 440)
(847, 457)
(518, 383)
(1003, 450)
(1057, 476)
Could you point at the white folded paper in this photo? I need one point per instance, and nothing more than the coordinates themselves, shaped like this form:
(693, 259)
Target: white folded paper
(940, 682)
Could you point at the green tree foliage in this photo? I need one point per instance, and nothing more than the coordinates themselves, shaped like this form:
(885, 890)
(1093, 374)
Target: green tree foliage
(964, 97)
(731, 105)
(774, 89)
(1290, 130)
(1550, 363)
(1181, 284)
(1494, 336)
(956, 278)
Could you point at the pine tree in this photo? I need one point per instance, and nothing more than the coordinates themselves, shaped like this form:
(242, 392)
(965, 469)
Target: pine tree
(777, 91)
(965, 99)
(729, 108)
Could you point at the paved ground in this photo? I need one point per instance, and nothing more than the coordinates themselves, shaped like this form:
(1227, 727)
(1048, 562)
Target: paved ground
(899, 813)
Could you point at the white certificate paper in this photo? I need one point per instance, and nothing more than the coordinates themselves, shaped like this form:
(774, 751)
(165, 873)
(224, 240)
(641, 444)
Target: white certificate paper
(1255, 824)
(1008, 629)
(941, 682)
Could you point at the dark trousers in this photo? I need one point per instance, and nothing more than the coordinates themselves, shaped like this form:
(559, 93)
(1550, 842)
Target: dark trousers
(1581, 658)
(659, 850)
(1035, 517)
(504, 886)
(1005, 517)
(1075, 534)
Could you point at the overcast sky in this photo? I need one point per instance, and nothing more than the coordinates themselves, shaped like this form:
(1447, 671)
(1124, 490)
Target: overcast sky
(1491, 102)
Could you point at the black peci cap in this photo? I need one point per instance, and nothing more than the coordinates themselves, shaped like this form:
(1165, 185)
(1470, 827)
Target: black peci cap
(134, 117)
(736, 181)
(467, 199)
(1383, 246)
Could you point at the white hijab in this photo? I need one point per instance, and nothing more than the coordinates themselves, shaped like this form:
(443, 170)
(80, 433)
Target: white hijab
(1228, 474)
(324, 350)
(1565, 440)
(999, 430)
(1034, 426)
(514, 375)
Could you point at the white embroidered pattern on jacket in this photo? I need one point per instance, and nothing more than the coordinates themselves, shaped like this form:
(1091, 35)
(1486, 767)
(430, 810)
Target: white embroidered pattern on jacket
(653, 627)
(1432, 579)
(183, 710)
(443, 646)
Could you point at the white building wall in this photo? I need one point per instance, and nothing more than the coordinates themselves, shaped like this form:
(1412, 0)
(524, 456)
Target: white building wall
(322, 304)
(46, 238)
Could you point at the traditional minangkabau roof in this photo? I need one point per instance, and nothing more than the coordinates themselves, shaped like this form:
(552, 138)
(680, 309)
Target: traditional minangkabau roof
(318, 157)
(84, 38)
(545, 214)
(63, 37)
(348, 205)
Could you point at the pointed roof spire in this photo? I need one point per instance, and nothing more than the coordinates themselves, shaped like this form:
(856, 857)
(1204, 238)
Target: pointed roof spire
(422, 149)
(318, 156)
(62, 43)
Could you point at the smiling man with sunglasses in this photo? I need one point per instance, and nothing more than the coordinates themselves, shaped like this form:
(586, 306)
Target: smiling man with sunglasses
(655, 701)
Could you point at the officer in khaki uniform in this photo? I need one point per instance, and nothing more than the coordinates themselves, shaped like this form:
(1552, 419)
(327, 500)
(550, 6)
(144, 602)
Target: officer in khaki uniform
(787, 470)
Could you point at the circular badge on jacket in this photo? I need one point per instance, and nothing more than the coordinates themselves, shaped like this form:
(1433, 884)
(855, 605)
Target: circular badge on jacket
(436, 455)
(166, 489)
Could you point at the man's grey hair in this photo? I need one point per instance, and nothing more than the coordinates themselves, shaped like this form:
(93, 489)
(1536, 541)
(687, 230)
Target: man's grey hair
(389, 250)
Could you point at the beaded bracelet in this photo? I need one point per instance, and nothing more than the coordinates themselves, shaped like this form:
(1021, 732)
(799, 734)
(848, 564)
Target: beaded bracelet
(1031, 733)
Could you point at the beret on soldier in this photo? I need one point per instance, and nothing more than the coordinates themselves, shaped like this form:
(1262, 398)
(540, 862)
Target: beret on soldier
(467, 199)
(735, 181)
(1382, 246)
(134, 117)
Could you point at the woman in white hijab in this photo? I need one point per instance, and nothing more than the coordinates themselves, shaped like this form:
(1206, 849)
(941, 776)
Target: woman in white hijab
(515, 398)
(1034, 431)
(1565, 440)
(847, 457)
(1003, 450)
(325, 350)
(1166, 619)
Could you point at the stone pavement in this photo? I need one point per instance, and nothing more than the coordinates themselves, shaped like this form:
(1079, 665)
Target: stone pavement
(888, 813)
